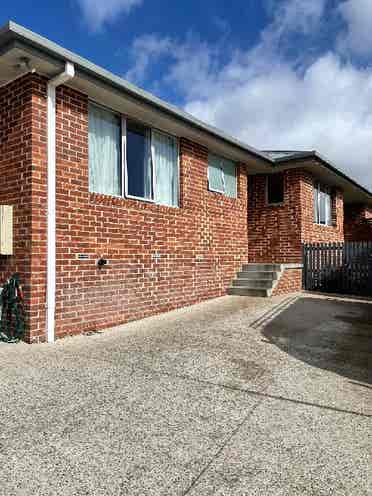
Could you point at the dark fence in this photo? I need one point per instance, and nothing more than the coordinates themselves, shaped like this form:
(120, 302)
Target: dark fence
(344, 268)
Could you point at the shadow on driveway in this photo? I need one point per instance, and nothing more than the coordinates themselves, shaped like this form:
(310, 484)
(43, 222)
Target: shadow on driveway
(331, 333)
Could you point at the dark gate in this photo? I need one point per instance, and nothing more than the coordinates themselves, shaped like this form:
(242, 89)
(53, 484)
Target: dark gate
(344, 268)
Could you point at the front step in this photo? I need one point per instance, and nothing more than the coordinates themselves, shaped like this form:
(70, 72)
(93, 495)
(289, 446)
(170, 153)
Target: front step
(257, 274)
(254, 283)
(242, 291)
(262, 267)
(256, 280)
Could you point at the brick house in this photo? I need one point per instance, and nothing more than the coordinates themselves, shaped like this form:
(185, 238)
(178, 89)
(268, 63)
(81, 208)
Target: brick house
(124, 206)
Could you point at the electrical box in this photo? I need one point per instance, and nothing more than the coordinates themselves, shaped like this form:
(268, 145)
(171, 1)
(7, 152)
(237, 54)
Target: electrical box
(6, 230)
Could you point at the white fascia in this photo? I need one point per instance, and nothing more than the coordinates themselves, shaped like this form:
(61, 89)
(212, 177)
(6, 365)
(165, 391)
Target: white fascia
(62, 78)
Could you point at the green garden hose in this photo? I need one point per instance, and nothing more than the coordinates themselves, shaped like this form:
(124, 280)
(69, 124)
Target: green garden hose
(12, 324)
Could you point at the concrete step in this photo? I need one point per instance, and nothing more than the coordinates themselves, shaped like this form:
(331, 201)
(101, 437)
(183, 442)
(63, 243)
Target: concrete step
(258, 274)
(242, 291)
(261, 267)
(254, 283)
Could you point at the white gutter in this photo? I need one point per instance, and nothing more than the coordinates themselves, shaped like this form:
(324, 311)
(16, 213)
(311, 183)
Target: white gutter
(62, 78)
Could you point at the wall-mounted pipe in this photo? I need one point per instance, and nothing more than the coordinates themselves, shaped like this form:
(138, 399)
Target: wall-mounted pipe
(62, 78)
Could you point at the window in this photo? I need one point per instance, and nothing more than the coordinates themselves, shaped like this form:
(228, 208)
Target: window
(275, 189)
(149, 159)
(104, 152)
(139, 173)
(322, 205)
(222, 175)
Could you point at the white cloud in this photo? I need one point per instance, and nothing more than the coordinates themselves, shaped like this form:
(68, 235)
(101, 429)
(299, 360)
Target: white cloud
(269, 100)
(328, 108)
(98, 12)
(358, 17)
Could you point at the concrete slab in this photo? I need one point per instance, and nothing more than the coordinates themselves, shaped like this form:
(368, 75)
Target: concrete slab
(236, 396)
(289, 449)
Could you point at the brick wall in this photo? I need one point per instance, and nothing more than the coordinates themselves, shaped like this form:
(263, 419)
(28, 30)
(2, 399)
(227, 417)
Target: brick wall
(201, 245)
(275, 233)
(357, 227)
(22, 164)
(290, 282)
(315, 233)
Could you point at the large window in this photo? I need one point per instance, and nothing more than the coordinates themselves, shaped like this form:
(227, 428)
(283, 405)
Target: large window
(275, 189)
(147, 159)
(222, 175)
(322, 205)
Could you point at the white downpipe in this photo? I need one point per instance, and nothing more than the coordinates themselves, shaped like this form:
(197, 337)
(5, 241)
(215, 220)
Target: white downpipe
(62, 78)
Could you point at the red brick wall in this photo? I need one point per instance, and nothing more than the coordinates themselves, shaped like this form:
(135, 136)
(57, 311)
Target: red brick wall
(201, 245)
(315, 233)
(290, 282)
(275, 233)
(357, 227)
(22, 163)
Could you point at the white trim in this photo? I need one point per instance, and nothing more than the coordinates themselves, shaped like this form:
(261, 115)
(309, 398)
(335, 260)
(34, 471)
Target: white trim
(62, 78)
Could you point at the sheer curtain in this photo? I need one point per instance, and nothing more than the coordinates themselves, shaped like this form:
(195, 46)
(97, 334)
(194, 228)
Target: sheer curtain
(215, 174)
(165, 153)
(229, 169)
(104, 151)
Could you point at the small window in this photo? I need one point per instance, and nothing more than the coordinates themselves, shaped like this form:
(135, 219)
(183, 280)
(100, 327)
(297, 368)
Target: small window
(222, 175)
(275, 189)
(322, 205)
(104, 151)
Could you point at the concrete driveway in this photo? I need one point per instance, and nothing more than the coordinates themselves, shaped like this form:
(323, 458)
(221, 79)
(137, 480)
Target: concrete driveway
(237, 396)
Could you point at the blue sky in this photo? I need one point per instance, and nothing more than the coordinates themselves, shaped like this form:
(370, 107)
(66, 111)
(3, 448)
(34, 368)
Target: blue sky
(278, 74)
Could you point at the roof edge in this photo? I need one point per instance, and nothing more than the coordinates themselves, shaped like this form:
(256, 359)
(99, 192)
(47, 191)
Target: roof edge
(59, 52)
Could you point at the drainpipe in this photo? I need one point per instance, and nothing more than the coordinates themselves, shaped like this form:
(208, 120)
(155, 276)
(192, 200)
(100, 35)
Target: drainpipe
(62, 78)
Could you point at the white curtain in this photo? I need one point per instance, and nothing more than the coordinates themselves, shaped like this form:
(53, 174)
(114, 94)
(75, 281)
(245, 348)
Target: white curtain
(104, 151)
(328, 208)
(215, 174)
(222, 175)
(229, 169)
(165, 153)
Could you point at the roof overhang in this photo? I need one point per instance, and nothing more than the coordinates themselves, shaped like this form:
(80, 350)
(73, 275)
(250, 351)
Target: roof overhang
(48, 59)
(323, 170)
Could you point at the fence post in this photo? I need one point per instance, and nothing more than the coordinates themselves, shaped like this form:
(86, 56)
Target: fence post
(304, 268)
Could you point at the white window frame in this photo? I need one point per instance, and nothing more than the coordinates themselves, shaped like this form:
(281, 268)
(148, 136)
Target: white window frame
(223, 192)
(318, 188)
(124, 163)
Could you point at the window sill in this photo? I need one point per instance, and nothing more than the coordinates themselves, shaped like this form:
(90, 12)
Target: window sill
(327, 226)
(222, 194)
(112, 200)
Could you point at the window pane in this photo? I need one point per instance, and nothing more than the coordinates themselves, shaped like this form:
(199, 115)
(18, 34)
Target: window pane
(328, 208)
(165, 150)
(229, 170)
(316, 212)
(215, 174)
(275, 189)
(104, 151)
(139, 166)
